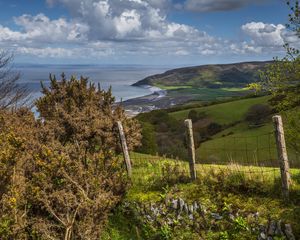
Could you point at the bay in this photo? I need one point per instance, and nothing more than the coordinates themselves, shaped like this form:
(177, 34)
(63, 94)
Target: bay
(119, 77)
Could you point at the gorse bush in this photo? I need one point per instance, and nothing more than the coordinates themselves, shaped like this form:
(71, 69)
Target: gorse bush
(79, 112)
(60, 174)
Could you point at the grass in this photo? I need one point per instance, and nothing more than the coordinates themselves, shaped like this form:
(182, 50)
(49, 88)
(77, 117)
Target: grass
(218, 187)
(205, 94)
(172, 87)
(225, 113)
(248, 145)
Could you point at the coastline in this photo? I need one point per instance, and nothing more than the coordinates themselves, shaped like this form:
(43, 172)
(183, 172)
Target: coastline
(146, 103)
(159, 99)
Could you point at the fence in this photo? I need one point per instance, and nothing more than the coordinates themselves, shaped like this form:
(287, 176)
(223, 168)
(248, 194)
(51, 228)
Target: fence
(261, 156)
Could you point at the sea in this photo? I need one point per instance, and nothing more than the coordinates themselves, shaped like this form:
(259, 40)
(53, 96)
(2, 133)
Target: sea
(119, 77)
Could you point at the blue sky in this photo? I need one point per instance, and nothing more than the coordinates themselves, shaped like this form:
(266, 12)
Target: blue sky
(179, 32)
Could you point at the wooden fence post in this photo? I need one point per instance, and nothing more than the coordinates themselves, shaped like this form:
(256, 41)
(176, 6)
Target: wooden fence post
(124, 148)
(191, 147)
(282, 155)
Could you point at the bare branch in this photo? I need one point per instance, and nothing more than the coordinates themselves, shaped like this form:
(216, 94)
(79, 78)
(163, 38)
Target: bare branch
(11, 93)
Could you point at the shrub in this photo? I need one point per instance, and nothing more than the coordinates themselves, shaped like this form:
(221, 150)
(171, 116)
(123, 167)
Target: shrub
(258, 114)
(61, 173)
(77, 112)
(149, 144)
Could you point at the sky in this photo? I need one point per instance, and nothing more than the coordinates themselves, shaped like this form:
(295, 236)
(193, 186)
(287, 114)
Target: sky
(148, 32)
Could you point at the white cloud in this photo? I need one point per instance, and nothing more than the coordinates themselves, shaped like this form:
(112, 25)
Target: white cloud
(40, 29)
(264, 34)
(120, 28)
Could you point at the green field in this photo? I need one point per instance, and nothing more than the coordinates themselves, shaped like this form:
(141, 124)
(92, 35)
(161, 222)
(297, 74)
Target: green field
(205, 94)
(225, 113)
(243, 145)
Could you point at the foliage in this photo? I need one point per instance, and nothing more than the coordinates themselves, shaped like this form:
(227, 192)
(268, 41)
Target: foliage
(195, 115)
(61, 178)
(292, 129)
(282, 78)
(256, 87)
(148, 144)
(80, 113)
(258, 114)
(167, 131)
(294, 16)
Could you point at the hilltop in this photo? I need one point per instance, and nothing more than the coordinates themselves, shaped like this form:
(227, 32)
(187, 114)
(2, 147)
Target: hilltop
(235, 75)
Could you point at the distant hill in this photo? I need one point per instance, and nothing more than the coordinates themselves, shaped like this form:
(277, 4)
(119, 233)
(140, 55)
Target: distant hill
(208, 76)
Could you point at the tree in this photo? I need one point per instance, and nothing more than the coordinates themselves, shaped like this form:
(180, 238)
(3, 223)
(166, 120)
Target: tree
(258, 114)
(256, 87)
(282, 79)
(11, 93)
(149, 145)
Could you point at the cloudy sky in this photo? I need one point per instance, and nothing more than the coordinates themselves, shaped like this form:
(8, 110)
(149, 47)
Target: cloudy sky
(181, 32)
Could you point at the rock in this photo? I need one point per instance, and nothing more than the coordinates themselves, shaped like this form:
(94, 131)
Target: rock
(272, 228)
(289, 232)
(175, 204)
(185, 208)
(191, 217)
(167, 200)
(203, 209)
(231, 216)
(181, 203)
(195, 205)
(279, 229)
(170, 221)
(216, 216)
(262, 236)
(191, 208)
(269, 238)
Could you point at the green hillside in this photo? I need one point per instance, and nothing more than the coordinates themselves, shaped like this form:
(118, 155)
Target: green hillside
(208, 76)
(215, 127)
(225, 113)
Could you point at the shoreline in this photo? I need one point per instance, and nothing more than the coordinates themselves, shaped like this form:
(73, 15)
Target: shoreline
(159, 99)
(146, 103)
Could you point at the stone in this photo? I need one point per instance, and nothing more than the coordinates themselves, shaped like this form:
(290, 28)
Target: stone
(191, 217)
(289, 232)
(185, 208)
(279, 229)
(175, 204)
(191, 208)
(262, 235)
(216, 216)
(231, 216)
(195, 205)
(272, 228)
(181, 204)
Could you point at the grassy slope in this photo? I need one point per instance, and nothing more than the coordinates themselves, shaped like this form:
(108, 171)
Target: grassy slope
(124, 225)
(238, 143)
(225, 113)
(206, 94)
(243, 145)
(211, 76)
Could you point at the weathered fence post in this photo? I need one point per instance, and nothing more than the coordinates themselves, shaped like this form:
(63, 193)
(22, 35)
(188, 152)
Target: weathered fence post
(124, 148)
(191, 147)
(282, 155)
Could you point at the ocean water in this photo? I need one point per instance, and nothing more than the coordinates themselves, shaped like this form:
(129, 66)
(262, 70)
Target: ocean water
(120, 77)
